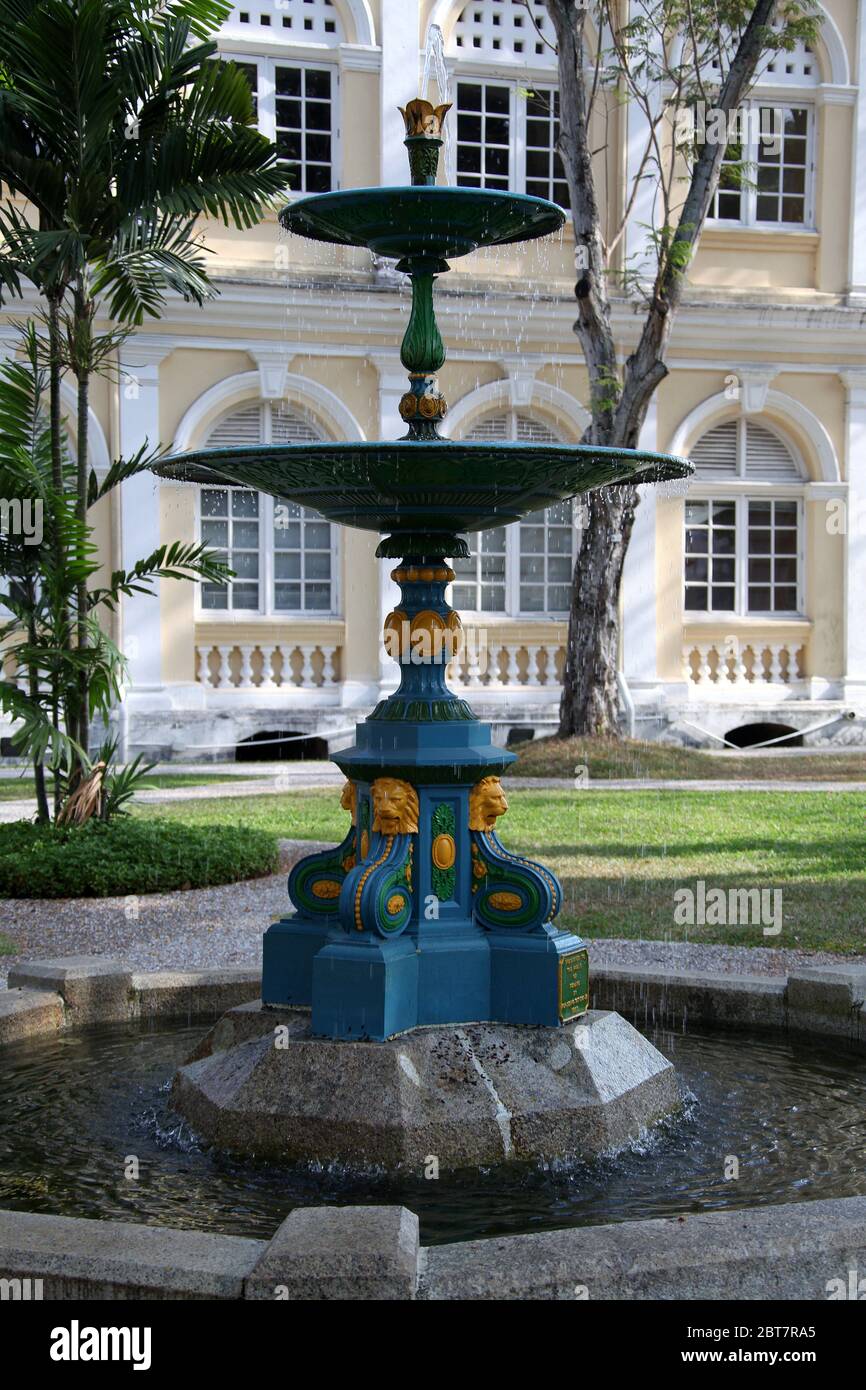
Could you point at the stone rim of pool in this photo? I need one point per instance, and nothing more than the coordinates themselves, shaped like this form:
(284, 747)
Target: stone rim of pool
(762, 1253)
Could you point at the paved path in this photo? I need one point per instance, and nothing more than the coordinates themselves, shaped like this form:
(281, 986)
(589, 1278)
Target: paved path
(265, 779)
(707, 784)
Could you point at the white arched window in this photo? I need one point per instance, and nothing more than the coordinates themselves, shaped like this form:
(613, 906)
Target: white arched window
(295, 99)
(283, 555)
(743, 523)
(768, 173)
(507, 124)
(524, 569)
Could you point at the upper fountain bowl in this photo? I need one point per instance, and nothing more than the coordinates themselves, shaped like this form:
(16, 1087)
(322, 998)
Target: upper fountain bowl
(422, 221)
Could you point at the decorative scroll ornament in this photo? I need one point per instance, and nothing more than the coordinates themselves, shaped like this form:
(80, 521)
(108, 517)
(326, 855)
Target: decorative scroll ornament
(316, 881)
(509, 891)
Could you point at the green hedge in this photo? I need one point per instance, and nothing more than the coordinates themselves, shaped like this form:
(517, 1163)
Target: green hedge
(128, 855)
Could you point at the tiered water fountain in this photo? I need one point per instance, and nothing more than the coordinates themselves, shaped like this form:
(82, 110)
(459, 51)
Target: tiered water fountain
(421, 923)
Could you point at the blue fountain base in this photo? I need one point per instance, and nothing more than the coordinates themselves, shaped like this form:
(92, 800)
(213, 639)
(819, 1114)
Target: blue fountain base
(370, 987)
(421, 915)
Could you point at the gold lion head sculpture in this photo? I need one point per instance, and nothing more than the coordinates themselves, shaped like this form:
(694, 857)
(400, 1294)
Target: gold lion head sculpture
(395, 807)
(349, 800)
(486, 803)
(422, 118)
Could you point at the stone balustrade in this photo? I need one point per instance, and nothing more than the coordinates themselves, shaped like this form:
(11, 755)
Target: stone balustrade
(268, 665)
(507, 666)
(751, 665)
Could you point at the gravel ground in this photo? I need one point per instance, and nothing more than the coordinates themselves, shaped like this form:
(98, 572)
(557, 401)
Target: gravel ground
(210, 927)
(204, 928)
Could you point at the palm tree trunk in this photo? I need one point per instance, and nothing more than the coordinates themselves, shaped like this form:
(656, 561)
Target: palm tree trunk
(83, 316)
(43, 814)
(58, 700)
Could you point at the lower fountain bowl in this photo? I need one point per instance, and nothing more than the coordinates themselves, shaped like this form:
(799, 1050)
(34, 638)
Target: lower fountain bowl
(424, 488)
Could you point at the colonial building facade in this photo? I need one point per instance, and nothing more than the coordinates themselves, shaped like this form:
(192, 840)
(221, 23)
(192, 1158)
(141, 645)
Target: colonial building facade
(744, 593)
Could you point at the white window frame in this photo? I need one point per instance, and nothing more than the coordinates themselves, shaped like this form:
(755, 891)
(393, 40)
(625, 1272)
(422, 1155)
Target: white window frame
(512, 610)
(749, 195)
(740, 495)
(517, 118)
(266, 607)
(266, 88)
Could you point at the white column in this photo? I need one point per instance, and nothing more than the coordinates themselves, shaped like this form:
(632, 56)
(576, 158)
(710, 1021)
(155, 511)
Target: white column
(855, 534)
(399, 28)
(141, 632)
(639, 608)
(857, 243)
(637, 245)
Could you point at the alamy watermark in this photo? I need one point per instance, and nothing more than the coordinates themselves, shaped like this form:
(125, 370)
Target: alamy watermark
(747, 127)
(22, 517)
(719, 907)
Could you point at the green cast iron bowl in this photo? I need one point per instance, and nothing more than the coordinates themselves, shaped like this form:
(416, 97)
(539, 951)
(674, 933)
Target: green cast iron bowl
(435, 221)
(404, 486)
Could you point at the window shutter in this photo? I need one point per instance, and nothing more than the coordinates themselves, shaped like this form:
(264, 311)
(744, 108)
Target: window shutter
(491, 428)
(531, 431)
(242, 427)
(768, 458)
(715, 455)
(288, 427)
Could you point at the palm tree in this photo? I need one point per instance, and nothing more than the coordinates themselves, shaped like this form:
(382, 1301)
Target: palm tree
(121, 128)
(40, 589)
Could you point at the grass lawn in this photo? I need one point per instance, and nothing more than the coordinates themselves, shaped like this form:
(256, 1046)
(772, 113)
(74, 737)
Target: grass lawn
(19, 788)
(622, 854)
(618, 758)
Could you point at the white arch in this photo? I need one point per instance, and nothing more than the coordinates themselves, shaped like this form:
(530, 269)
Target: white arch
(362, 18)
(100, 458)
(246, 386)
(511, 393)
(442, 12)
(834, 46)
(835, 55)
(715, 408)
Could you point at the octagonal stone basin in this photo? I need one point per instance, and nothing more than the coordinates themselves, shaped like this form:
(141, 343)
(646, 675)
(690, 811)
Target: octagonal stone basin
(430, 485)
(421, 221)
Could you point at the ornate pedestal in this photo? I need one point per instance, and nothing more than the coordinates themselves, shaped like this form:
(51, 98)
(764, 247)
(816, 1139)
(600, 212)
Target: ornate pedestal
(421, 915)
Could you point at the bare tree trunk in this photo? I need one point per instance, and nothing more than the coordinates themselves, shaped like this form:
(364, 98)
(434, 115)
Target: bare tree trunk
(590, 697)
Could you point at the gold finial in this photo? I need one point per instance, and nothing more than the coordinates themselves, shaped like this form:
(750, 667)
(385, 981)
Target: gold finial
(422, 118)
